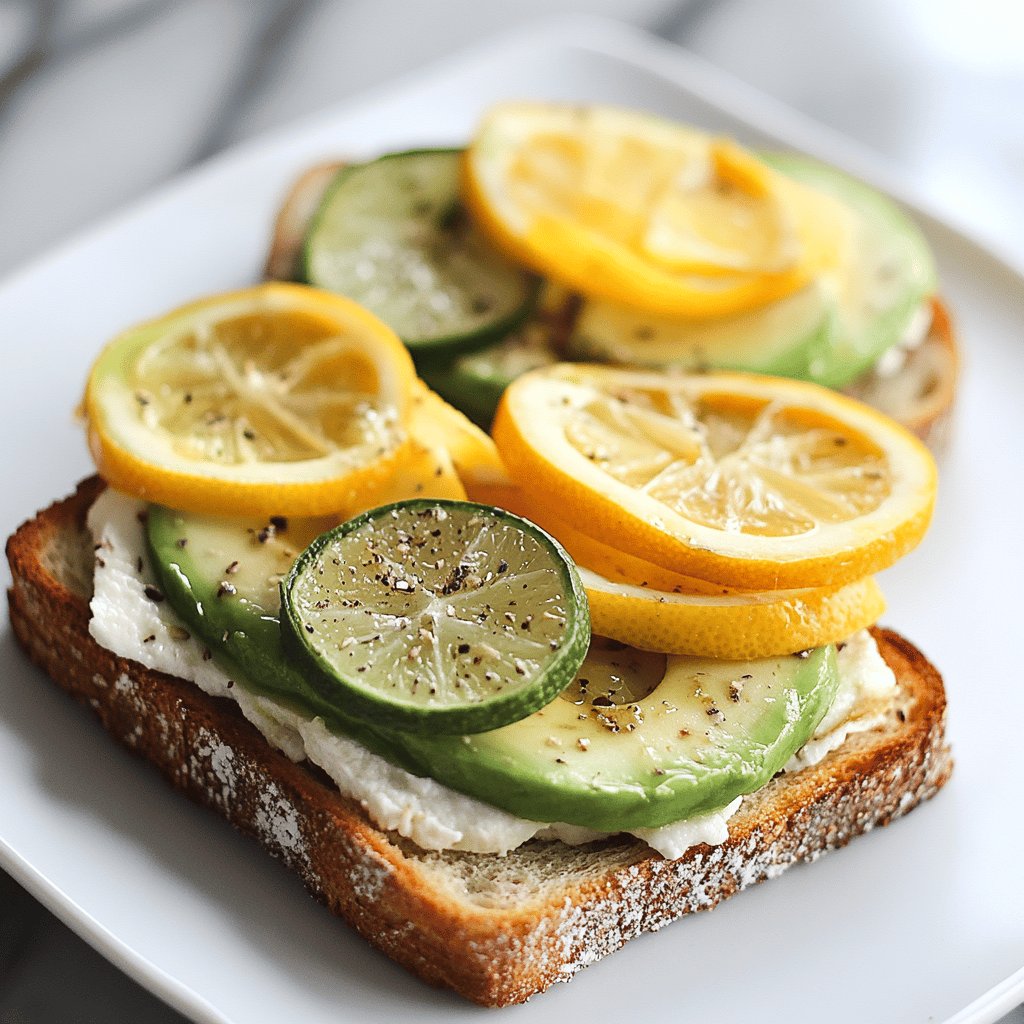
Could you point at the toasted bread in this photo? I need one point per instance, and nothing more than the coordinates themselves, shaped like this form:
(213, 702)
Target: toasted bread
(495, 929)
(301, 202)
(922, 393)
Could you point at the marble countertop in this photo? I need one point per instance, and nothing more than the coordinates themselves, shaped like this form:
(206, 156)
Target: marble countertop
(101, 100)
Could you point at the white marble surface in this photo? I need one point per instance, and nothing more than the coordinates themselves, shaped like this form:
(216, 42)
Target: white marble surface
(101, 100)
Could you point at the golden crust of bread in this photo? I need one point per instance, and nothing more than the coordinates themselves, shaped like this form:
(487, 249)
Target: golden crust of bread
(465, 921)
(922, 394)
(300, 203)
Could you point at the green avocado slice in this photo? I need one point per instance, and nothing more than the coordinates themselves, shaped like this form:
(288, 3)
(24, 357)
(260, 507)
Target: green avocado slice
(641, 740)
(829, 332)
(222, 578)
(637, 740)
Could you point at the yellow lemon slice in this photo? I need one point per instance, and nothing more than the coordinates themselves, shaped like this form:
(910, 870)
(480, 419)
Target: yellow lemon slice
(604, 559)
(279, 399)
(718, 215)
(633, 209)
(738, 626)
(447, 456)
(472, 451)
(759, 483)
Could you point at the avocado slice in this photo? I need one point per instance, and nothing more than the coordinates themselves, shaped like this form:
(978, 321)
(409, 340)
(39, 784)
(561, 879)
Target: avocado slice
(640, 740)
(894, 272)
(637, 740)
(222, 577)
(830, 331)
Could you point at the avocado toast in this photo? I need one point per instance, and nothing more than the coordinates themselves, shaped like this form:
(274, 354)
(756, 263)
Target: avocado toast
(497, 929)
(428, 704)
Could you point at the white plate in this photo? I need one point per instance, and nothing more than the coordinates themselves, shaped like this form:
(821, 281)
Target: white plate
(914, 923)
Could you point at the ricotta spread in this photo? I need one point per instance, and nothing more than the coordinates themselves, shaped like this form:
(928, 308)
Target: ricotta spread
(131, 625)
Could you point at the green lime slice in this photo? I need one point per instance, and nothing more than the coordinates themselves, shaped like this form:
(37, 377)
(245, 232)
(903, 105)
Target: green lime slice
(392, 235)
(436, 617)
(474, 382)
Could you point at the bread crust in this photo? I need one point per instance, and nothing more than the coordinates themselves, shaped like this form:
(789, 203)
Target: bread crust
(922, 395)
(297, 210)
(455, 919)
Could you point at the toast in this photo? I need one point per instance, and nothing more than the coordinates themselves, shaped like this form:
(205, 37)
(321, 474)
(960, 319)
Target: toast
(495, 929)
(920, 395)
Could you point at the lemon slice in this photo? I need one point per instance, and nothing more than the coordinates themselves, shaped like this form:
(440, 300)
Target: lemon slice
(758, 483)
(277, 399)
(724, 215)
(738, 625)
(633, 209)
(473, 452)
(604, 559)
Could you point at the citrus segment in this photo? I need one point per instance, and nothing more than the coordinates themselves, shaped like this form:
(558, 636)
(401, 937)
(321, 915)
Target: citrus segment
(739, 625)
(278, 399)
(751, 482)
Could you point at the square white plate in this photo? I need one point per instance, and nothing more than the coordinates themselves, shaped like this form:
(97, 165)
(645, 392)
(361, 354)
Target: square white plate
(913, 923)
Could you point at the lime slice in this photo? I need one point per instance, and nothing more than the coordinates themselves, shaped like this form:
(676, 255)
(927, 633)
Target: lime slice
(474, 382)
(437, 616)
(392, 235)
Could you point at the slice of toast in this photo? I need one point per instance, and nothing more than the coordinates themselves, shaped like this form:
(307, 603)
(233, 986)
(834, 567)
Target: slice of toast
(495, 929)
(919, 395)
(301, 202)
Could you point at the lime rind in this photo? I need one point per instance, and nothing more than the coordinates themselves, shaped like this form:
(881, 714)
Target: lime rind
(446, 259)
(449, 635)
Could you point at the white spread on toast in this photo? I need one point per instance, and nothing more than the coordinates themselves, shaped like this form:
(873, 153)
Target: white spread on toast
(867, 688)
(895, 358)
(131, 625)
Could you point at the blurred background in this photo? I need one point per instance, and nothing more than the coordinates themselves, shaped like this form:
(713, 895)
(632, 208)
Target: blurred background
(101, 100)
